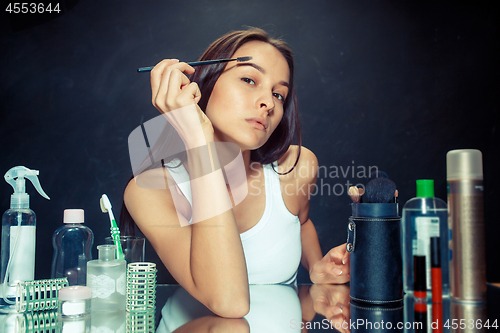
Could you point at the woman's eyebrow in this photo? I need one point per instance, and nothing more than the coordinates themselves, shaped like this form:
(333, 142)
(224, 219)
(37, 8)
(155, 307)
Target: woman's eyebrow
(260, 69)
(257, 67)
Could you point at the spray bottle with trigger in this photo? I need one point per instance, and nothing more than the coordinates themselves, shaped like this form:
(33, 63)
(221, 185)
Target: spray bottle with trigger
(18, 236)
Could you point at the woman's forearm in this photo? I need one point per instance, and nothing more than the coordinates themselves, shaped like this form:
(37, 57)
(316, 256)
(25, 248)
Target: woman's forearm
(311, 250)
(217, 261)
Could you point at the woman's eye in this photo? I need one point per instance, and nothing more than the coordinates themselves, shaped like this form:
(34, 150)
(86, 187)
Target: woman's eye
(279, 96)
(248, 80)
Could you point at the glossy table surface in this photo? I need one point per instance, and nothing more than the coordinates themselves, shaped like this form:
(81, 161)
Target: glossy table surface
(276, 308)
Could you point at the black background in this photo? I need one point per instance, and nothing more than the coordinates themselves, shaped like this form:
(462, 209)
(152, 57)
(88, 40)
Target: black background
(391, 84)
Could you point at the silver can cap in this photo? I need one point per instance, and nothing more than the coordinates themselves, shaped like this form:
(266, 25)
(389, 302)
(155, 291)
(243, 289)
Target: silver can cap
(464, 164)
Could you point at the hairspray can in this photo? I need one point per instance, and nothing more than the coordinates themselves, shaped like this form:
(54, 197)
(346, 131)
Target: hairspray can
(466, 223)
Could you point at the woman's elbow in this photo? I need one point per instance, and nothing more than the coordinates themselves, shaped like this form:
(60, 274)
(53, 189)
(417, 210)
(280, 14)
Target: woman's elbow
(231, 306)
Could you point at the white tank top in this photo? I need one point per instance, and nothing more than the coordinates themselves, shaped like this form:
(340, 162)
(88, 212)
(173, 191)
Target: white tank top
(272, 247)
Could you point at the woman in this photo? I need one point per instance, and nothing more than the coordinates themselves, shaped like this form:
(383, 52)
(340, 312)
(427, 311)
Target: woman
(251, 104)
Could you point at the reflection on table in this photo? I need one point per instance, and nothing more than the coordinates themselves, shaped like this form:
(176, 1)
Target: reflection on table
(276, 308)
(273, 308)
(308, 308)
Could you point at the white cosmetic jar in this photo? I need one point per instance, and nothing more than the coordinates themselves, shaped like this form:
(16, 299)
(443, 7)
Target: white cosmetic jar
(74, 301)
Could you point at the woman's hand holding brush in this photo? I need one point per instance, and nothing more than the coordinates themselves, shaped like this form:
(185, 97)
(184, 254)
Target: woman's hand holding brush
(177, 98)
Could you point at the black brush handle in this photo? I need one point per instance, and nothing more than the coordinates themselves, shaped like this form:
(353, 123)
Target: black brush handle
(195, 63)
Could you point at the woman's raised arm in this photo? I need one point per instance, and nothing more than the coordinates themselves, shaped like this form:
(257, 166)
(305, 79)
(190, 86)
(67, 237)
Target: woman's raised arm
(206, 257)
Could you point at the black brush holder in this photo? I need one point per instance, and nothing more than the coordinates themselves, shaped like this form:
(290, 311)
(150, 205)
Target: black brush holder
(374, 244)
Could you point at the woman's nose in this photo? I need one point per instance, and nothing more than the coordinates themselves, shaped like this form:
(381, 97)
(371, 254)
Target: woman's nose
(266, 103)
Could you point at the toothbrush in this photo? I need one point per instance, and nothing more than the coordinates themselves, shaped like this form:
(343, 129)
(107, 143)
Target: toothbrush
(201, 63)
(115, 232)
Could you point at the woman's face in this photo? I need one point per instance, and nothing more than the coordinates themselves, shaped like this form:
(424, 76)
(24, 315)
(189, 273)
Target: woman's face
(247, 101)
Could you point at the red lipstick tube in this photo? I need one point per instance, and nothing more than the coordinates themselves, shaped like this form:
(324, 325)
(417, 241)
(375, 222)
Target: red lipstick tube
(437, 285)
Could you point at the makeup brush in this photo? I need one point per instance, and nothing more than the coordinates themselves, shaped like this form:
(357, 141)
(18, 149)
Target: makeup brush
(374, 175)
(356, 193)
(380, 190)
(201, 63)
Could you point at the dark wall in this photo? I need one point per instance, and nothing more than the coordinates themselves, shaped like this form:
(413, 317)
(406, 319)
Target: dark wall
(391, 84)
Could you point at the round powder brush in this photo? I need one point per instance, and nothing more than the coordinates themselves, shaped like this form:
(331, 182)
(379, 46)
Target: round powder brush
(380, 190)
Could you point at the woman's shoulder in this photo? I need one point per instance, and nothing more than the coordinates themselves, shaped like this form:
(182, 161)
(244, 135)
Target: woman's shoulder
(305, 168)
(145, 187)
(149, 189)
(150, 179)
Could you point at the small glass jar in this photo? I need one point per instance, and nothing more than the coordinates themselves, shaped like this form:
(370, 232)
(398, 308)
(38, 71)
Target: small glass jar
(74, 301)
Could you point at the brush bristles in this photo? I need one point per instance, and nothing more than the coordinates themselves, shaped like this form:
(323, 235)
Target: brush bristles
(104, 210)
(241, 59)
(380, 190)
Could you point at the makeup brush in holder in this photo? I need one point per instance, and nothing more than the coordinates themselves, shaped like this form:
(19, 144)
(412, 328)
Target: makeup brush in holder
(375, 246)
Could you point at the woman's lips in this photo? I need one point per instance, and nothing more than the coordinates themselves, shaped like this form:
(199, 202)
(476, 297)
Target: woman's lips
(258, 123)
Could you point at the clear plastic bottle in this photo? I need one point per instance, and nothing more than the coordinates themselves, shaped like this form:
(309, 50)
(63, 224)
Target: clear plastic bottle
(424, 217)
(106, 277)
(72, 248)
(18, 236)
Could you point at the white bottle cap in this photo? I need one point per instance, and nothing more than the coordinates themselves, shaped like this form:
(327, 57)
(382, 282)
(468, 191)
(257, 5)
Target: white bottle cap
(74, 216)
(464, 164)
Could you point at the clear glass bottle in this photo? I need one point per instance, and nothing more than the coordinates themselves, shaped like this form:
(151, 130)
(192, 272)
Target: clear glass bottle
(72, 248)
(424, 216)
(106, 277)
